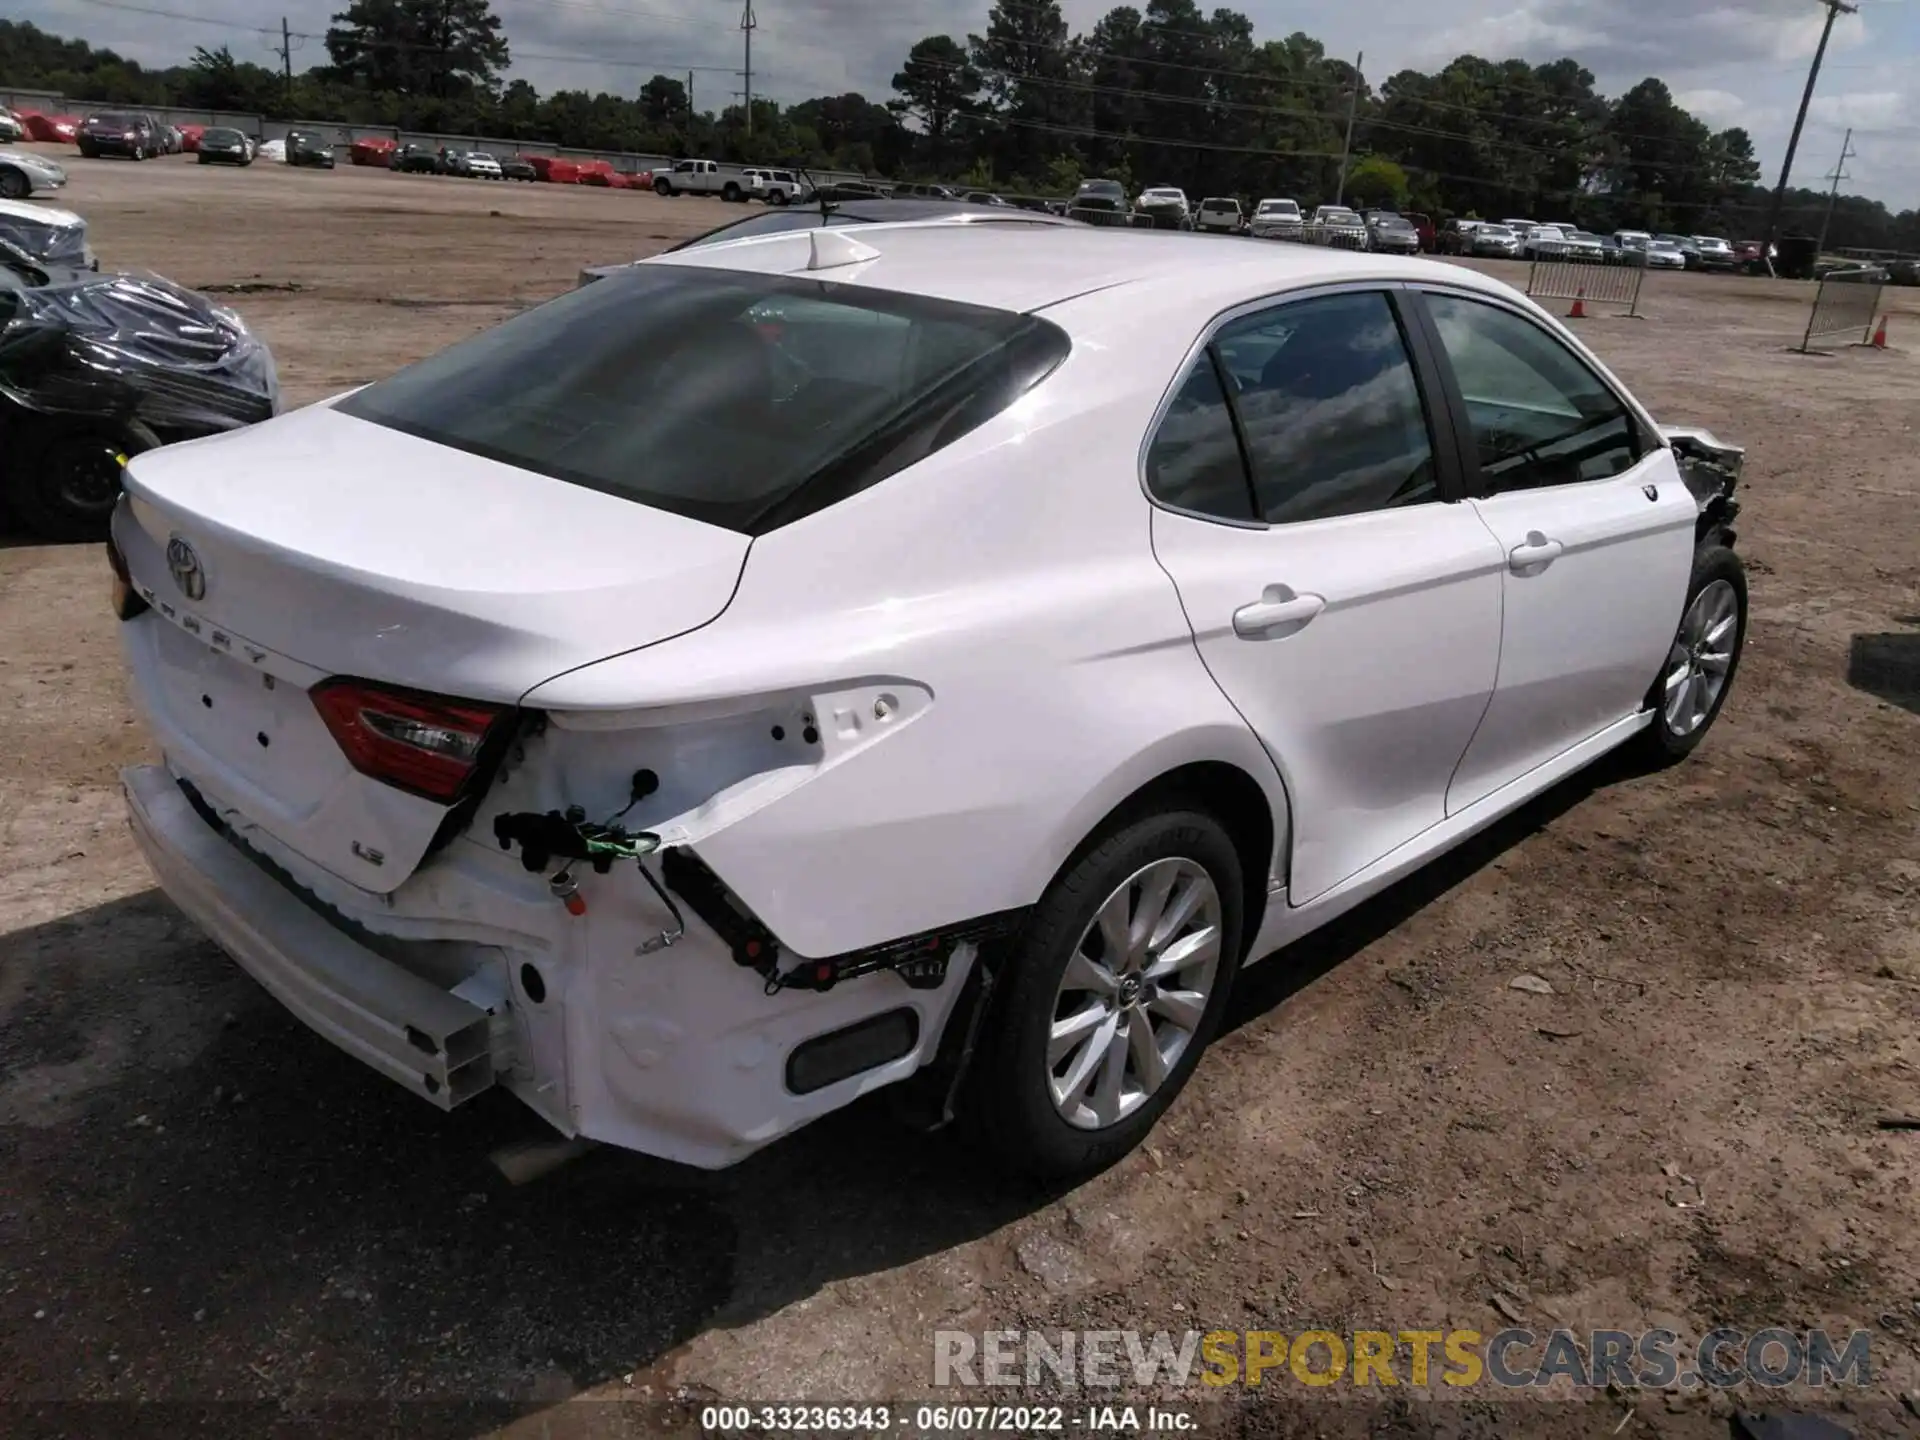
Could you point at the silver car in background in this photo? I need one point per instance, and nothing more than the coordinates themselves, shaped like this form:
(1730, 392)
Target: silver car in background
(1277, 219)
(24, 173)
(1495, 242)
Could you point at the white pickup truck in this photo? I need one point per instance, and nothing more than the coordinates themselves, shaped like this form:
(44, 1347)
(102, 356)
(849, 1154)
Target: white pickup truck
(704, 177)
(776, 187)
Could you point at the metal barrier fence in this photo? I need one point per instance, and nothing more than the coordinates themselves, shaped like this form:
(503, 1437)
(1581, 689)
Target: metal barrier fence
(1099, 215)
(1586, 281)
(1338, 236)
(1847, 300)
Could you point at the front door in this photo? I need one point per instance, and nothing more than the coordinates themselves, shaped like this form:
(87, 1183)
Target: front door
(1347, 607)
(1596, 529)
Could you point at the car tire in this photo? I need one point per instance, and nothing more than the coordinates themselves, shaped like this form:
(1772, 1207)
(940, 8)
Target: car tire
(14, 185)
(66, 479)
(663, 188)
(778, 197)
(732, 193)
(1683, 698)
(1022, 1082)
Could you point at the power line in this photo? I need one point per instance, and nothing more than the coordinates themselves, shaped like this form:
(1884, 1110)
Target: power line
(1252, 108)
(1254, 77)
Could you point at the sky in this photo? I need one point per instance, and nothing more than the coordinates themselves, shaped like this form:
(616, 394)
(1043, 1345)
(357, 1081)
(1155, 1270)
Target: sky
(1732, 62)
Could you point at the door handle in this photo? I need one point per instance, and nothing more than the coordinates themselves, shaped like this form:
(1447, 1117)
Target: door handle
(1278, 605)
(1535, 553)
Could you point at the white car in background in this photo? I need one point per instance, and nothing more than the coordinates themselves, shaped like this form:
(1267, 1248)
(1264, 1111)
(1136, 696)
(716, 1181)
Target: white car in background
(482, 166)
(777, 187)
(675, 704)
(1663, 255)
(1219, 215)
(1339, 226)
(1168, 201)
(1277, 219)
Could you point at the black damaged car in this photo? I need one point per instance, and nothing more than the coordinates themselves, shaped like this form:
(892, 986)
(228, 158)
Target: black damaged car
(97, 368)
(221, 146)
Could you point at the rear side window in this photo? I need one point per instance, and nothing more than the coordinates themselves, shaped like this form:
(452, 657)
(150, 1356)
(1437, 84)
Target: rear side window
(1330, 408)
(1194, 462)
(745, 401)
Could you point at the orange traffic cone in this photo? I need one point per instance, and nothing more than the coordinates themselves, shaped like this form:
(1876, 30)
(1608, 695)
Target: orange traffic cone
(1879, 341)
(1579, 310)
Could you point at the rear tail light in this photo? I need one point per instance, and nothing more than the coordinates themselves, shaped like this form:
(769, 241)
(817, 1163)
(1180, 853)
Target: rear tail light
(426, 745)
(126, 600)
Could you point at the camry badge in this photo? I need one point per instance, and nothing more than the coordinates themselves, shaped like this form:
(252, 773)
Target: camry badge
(184, 564)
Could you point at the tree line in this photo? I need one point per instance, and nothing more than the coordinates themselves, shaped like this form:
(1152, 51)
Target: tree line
(1167, 94)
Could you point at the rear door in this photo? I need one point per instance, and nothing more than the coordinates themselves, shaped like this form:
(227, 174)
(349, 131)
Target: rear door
(1594, 524)
(1342, 595)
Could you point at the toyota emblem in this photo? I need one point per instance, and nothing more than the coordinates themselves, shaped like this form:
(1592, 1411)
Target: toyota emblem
(184, 563)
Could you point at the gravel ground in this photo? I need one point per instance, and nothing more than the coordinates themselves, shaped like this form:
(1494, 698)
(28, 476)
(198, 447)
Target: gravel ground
(203, 1203)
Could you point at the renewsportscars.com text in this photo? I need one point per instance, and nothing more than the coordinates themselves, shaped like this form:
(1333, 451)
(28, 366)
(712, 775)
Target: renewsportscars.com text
(1506, 1359)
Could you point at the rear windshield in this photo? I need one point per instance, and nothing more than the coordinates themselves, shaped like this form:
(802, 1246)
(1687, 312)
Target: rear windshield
(744, 401)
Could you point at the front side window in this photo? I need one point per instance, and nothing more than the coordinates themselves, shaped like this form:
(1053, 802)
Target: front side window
(1539, 415)
(741, 400)
(1329, 407)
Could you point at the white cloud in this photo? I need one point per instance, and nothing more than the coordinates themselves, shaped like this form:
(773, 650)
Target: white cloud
(1719, 108)
(1872, 110)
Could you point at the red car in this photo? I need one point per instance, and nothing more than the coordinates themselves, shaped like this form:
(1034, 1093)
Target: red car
(1423, 227)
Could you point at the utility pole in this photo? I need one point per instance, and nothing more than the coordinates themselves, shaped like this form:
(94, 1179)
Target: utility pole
(691, 112)
(1835, 9)
(286, 56)
(1839, 174)
(1353, 109)
(748, 24)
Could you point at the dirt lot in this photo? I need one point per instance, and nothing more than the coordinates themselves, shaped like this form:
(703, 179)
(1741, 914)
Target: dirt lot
(204, 1203)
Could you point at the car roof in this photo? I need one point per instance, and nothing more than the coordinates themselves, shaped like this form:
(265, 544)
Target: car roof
(1031, 267)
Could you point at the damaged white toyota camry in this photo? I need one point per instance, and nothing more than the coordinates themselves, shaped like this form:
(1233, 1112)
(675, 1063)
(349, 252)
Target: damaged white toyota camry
(801, 665)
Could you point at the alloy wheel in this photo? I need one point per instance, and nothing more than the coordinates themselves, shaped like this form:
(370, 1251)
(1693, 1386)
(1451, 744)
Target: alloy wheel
(1134, 993)
(1701, 658)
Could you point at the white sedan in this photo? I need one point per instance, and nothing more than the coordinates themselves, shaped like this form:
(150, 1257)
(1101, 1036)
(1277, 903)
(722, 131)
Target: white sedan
(946, 655)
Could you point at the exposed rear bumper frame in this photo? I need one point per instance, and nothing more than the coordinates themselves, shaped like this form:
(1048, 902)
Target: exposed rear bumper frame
(437, 1043)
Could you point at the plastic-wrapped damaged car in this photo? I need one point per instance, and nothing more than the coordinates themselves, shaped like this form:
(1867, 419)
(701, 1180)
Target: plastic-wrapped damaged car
(94, 368)
(46, 235)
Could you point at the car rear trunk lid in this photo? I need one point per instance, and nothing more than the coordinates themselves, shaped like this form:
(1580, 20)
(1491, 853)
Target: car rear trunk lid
(319, 546)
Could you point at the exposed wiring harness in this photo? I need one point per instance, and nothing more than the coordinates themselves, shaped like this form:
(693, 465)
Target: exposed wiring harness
(570, 837)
